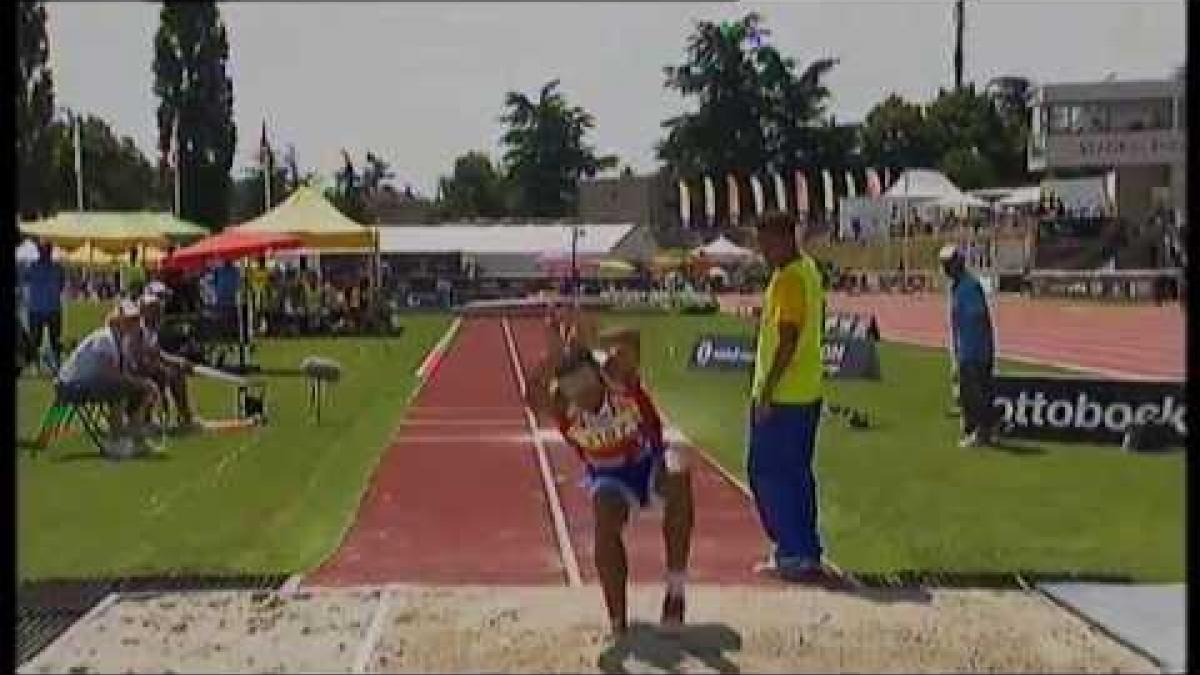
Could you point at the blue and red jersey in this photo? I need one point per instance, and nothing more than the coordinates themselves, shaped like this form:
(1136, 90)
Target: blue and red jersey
(625, 427)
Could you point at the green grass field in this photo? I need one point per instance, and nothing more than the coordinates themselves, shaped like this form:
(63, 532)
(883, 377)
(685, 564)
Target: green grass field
(903, 498)
(272, 500)
(900, 498)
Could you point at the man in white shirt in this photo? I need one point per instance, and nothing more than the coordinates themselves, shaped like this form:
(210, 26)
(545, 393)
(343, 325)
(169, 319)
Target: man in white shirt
(98, 369)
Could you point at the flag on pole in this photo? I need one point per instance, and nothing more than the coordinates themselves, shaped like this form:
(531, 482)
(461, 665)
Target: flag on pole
(710, 200)
(829, 196)
(850, 190)
(78, 161)
(264, 160)
(801, 194)
(756, 190)
(874, 189)
(685, 205)
(780, 193)
(735, 208)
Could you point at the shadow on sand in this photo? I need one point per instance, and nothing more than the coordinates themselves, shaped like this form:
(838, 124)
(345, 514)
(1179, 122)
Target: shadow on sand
(647, 644)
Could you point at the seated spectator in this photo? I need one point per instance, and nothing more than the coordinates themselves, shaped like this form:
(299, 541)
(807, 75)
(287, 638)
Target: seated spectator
(97, 369)
(168, 371)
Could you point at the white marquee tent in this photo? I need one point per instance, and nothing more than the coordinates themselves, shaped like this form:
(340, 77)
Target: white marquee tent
(722, 249)
(514, 251)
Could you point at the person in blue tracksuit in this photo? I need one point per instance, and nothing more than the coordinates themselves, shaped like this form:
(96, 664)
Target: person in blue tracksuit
(972, 346)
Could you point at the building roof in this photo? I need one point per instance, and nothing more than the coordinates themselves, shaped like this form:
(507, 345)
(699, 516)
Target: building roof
(594, 239)
(1110, 90)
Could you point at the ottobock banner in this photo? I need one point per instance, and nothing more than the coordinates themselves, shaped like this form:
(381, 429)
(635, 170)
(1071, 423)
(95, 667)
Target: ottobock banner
(1092, 410)
(847, 351)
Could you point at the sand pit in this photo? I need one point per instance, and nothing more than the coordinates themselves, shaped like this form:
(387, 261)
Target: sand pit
(551, 629)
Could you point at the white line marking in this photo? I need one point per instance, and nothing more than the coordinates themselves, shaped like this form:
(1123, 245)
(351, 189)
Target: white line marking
(74, 628)
(442, 344)
(370, 640)
(439, 348)
(565, 549)
(519, 438)
(451, 422)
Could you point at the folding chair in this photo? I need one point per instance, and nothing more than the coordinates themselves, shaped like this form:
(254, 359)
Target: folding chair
(70, 404)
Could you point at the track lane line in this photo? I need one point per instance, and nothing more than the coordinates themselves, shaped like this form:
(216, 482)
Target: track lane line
(565, 548)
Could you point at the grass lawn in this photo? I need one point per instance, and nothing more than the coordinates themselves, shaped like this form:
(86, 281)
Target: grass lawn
(271, 500)
(903, 498)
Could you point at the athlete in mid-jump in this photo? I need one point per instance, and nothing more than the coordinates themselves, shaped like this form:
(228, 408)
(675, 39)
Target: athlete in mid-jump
(588, 384)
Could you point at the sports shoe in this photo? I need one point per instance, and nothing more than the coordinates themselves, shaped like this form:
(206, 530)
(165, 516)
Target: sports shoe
(971, 440)
(672, 612)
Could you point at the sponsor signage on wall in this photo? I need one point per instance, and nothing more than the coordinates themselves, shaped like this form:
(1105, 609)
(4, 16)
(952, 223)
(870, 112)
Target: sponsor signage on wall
(848, 349)
(1116, 149)
(1092, 410)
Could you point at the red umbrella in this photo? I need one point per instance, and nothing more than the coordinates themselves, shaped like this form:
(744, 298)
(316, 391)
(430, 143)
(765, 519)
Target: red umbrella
(231, 244)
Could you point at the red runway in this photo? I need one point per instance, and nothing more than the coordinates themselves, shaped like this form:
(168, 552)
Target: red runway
(1138, 342)
(459, 497)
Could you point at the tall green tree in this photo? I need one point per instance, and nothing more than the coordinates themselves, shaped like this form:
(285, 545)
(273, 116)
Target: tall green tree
(754, 110)
(474, 189)
(894, 135)
(35, 111)
(191, 54)
(348, 192)
(117, 176)
(1011, 96)
(546, 151)
(725, 132)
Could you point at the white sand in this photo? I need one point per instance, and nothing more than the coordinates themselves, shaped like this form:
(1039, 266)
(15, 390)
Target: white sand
(552, 629)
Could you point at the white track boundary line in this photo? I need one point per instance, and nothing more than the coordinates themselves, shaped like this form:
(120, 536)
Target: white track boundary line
(423, 372)
(565, 549)
(374, 631)
(100, 607)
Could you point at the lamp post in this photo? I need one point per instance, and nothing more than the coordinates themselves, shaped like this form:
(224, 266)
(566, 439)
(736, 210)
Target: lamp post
(576, 233)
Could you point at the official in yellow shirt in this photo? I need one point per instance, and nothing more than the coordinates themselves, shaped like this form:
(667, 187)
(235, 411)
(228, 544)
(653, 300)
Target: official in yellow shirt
(787, 404)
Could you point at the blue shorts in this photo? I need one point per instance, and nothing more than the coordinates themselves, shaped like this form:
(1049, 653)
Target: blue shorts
(635, 481)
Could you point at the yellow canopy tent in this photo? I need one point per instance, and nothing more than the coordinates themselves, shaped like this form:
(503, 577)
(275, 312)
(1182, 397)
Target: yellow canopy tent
(112, 231)
(308, 215)
(91, 256)
(615, 269)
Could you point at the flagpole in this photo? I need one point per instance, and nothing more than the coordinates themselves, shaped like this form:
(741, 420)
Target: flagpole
(264, 153)
(178, 159)
(78, 162)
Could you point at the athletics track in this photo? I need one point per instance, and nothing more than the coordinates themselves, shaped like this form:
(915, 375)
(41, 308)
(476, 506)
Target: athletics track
(1128, 342)
(471, 492)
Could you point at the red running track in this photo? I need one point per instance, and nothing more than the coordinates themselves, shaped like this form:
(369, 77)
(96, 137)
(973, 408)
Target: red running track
(1138, 342)
(727, 540)
(457, 498)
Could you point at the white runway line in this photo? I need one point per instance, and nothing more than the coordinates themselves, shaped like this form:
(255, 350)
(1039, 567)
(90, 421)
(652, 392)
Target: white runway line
(371, 639)
(565, 549)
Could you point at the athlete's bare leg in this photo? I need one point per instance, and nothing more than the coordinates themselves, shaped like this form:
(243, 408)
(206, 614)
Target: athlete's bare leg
(675, 485)
(612, 512)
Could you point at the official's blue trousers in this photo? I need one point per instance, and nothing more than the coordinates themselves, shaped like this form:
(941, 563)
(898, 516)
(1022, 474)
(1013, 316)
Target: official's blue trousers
(781, 477)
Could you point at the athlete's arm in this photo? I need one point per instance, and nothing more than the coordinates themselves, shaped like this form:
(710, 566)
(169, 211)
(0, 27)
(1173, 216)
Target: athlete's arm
(624, 347)
(539, 395)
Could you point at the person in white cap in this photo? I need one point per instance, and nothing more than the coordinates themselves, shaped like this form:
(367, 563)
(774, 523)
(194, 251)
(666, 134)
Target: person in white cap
(98, 369)
(168, 371)
(972, 346)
